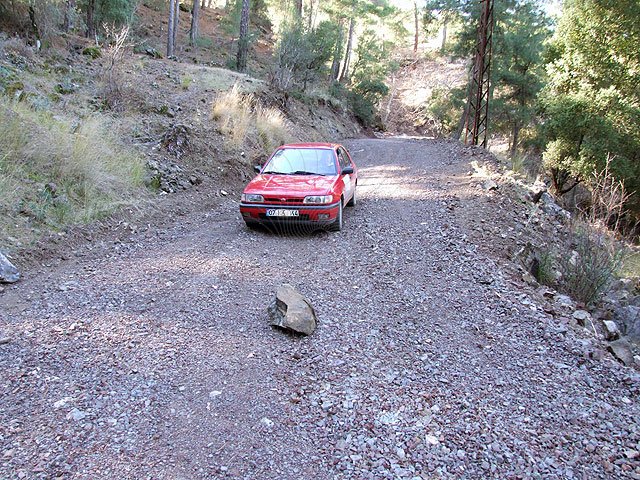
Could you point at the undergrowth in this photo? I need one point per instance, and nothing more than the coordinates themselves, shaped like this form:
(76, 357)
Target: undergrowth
(54, 173)
(242, 119)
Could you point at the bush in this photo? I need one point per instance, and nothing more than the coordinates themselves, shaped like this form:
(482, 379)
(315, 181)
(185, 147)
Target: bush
(241, 118)
(588, 263)
(302, 56)
(56, 173)
(364, 99)
(232, 111)
(272, 128)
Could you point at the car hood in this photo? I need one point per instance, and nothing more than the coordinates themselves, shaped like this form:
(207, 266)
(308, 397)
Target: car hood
(291, 184)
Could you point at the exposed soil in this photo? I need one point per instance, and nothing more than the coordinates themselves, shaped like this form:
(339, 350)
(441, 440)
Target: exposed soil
(149, 355)
(411, 89)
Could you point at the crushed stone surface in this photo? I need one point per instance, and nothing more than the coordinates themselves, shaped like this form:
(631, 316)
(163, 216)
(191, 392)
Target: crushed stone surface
(152, 357)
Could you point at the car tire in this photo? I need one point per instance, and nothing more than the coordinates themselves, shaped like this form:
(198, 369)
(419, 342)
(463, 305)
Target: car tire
(253, 225)
(336, 226)
(353, 201)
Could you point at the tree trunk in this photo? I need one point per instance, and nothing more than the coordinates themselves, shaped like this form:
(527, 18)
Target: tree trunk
(344, 76)
(514, 143)
(310, 19)
(195, 13)
(444, 34)
(416, 38)
(457, 133)
(299, 9)
(337, 54)
(243, 40)
(68, 15)
(176, 20)
(34, 23)
(171, 28)
(91, 26)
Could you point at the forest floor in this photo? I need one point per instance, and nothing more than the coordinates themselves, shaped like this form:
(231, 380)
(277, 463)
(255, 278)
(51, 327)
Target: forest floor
(146, 352)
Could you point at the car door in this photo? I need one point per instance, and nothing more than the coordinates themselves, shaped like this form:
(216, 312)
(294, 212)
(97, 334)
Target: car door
(349, 180)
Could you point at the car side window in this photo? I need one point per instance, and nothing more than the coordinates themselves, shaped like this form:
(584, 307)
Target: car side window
(343, 159)
(347, 159)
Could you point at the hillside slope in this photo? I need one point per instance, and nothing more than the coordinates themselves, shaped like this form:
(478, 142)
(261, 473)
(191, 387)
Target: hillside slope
(153, 111)
(411, 92)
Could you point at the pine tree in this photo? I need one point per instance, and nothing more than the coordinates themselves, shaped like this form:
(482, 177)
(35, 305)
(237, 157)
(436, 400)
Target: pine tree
(243, 40)
(195, 13)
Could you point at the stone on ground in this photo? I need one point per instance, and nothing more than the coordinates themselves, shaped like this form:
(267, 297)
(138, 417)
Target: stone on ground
(8, 272)
(621, 349)
(292, 311)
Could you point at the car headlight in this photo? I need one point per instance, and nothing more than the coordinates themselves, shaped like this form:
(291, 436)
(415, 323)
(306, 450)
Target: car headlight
(318, 199)
(252, 198)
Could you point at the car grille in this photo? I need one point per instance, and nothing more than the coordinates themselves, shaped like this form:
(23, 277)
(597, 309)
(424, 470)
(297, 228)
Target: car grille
(279, 201)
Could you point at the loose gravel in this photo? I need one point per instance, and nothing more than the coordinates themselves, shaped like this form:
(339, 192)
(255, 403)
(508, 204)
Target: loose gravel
(152, 357)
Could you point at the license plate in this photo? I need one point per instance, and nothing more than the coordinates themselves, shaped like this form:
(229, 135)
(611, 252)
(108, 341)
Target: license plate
(280, 212)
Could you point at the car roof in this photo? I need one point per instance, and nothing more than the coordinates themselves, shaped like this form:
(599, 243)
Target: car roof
(309, 145)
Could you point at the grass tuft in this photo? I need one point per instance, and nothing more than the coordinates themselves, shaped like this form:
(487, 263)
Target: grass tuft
(272, 128)
(232, 111)
(242, 119)
(54, 173)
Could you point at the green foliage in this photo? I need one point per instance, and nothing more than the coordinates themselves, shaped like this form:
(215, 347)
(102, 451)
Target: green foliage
(258, 17)
(372, 54)
(441, 13)
(588, 265)
(442, 111)
(302, 56)
(518, 69)
(519, 35)
(592, 101)
(546, 268)
(364, 98)
(92, 51)
(118, 12)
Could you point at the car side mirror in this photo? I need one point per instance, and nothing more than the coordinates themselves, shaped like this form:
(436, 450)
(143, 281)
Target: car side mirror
(347, 171)
(257, 168)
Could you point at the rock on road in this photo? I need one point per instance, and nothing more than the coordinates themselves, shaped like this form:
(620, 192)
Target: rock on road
(153, 358)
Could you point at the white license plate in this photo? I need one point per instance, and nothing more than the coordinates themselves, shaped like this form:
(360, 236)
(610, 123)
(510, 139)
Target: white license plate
(280, 212)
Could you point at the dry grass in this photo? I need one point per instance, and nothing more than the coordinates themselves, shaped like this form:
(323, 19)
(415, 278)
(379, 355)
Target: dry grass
(232, 111)
(272, 126)
(87, 170)
(242, 120)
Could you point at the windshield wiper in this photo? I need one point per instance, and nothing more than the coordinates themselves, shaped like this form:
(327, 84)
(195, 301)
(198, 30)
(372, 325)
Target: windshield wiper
(271, 172)
(304, 172)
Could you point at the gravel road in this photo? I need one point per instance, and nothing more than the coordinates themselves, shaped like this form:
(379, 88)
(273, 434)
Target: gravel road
(151, 356)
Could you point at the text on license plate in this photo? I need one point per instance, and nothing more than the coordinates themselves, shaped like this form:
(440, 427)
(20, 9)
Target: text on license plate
(280, 212)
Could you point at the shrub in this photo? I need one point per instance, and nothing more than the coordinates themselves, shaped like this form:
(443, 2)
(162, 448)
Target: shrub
(545, 273)
(588, 263)
(241, 118)
(364, 99)
(89, 172)
(232, 111)
(272, 128)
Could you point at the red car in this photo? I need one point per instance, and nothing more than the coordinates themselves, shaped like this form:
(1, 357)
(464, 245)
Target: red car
(303, 184)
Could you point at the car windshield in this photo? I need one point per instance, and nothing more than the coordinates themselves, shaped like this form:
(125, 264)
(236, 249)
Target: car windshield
(302, 161)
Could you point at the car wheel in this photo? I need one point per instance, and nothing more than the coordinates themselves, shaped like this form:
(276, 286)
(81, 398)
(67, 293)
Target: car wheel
(353, 201)
(336, 226)
(253, 225)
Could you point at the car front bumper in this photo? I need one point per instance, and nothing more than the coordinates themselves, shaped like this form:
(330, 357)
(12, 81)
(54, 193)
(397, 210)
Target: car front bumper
(307, 214)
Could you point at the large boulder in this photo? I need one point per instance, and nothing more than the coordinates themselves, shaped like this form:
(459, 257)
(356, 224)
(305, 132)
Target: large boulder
(628, 319)
(292, 311)
(8, 273)
(622, 350)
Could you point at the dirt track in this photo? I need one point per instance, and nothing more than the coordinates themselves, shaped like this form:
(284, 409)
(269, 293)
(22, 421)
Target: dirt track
(153, 358)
